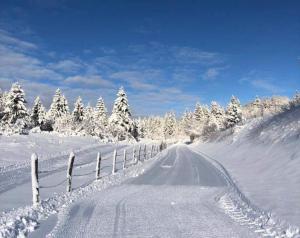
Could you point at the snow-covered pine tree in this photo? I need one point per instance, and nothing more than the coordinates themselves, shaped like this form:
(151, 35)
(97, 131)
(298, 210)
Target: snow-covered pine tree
(88, 123)
(38, 113)
(55, 107)
(169, 125)
(120, 120)
(233, 112)
(295, 101)
(186, 122)
(2, 103)
(211, 126)
(15, 105)
(257, 108)
(78, 112)
(59, 106)
(218, 113)
(198, 112)
(101, 117)
(65, 106)
(206, 114)
(141, 126)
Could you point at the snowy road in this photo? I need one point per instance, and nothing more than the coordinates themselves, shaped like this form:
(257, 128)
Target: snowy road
(176, 197)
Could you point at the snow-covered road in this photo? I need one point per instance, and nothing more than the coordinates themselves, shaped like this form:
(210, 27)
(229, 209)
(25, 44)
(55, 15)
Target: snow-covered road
(176, 197)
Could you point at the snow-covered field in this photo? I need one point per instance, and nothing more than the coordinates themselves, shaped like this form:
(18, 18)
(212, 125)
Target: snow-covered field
(263, 157)
(17, 149)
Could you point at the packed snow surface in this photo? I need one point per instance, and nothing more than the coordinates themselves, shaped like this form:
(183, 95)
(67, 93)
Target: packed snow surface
(176, 197)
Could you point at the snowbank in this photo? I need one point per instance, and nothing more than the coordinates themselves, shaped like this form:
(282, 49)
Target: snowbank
(263, 158)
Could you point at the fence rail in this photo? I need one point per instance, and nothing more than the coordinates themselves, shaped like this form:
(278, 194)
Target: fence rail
(126, 157)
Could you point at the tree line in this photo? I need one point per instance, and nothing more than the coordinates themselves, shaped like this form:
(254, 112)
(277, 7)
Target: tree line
(204, 120)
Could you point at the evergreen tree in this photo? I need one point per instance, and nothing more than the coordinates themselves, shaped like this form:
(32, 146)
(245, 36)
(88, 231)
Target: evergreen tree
(233, 112)
(198, 112)
(120, 119)
(38, 113)
(187, 122)
(101, 113)
(2, 103)
(78, 112)
(218, 114)
(65, 107)
(295, 100)
(59, 106)
(169, 125)
(211, 126)
(15, 104)
(89, 121)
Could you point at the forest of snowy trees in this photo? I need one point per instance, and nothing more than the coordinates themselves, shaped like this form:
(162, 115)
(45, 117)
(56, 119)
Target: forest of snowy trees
(16, 118)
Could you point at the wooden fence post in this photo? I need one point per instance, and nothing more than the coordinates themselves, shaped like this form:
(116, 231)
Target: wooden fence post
(35, 180)
(139, 157)
(69, 172)
(98, 166)
(151, 152)
(114, 162)
(133, 155)
(124, 160)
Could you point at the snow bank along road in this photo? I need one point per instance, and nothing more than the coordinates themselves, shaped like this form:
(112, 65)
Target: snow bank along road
(176, 197)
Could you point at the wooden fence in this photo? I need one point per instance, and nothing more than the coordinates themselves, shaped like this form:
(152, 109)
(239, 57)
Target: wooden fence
(128, 158)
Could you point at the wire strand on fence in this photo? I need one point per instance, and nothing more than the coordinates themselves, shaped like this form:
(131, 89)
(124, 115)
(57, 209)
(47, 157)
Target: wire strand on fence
(54, 185)
(81, 175)
(133, 155)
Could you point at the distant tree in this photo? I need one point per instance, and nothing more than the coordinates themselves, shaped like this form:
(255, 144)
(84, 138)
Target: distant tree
(187, 122)
(2, 103)
(295, 101)
(14, 106)
(169, 125)
(198, 112)
(88, 123)
(217, 115)
(211, 126)
(233, 112)
(78, 112)
(101, 117)
(38, 113)
(59, 106)
(120, 120)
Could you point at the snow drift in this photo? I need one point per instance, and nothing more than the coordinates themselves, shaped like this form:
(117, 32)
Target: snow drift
(263, 157)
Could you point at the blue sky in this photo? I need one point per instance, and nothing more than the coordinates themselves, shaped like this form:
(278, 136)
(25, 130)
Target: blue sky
(167, 54)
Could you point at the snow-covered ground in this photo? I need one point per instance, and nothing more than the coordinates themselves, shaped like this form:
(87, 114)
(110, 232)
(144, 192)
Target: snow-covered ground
(17, 149)
(263, 157)
(174, 197)
(53, 151)
(240, 184)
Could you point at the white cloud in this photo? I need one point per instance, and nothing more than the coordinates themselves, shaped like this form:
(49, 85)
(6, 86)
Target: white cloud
(266, 85)
(67, 66)
(136, 79)
(7, 39)
(211, 74)
(196, 56)
(260, 81)
(17, 61)
(88, 81)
